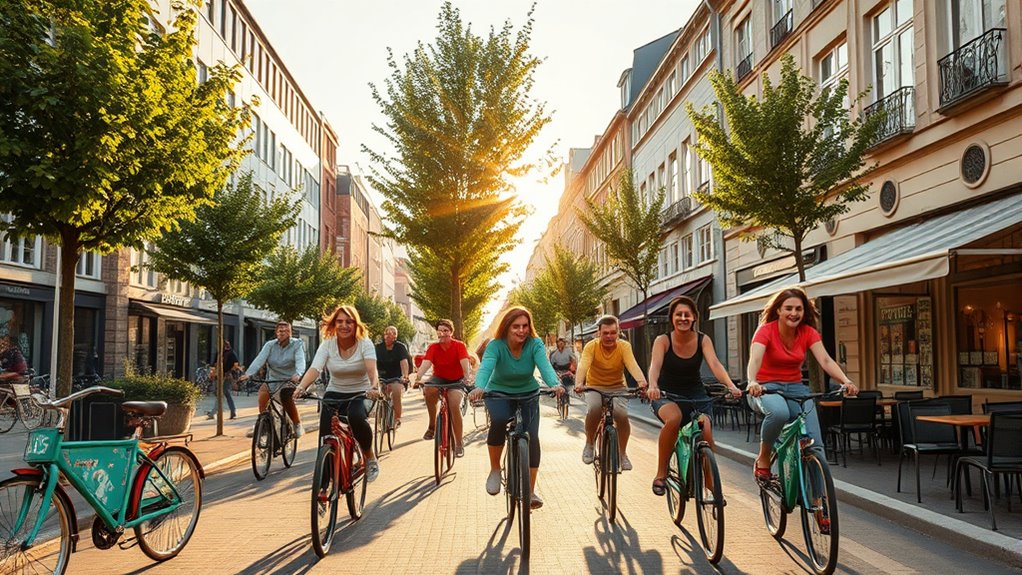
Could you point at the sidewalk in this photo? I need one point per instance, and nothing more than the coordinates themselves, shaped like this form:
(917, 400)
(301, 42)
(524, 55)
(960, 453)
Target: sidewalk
(872, 488)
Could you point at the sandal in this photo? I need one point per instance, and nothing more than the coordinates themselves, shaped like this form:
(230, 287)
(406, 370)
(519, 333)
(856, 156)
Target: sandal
(823, 523)
(761, 473)
(428, 435)
(659, 487)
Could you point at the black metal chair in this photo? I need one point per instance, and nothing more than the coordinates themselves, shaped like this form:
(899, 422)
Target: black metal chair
(994, 406)
(1003, 456)
(908, 395)
(858, 417)
(922, 437)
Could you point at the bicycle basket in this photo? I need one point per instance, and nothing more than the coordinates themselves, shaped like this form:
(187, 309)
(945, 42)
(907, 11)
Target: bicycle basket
(43, 445)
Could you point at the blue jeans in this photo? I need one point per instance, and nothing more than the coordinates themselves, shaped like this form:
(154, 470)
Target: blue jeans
(777, 412)
(228, 384)
(501, 412)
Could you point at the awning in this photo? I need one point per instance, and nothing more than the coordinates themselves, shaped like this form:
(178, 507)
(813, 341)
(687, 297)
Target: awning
(633, 316)
(171, 313)
(914, 253)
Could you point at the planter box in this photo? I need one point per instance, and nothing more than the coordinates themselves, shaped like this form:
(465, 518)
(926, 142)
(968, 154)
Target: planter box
(177, 420)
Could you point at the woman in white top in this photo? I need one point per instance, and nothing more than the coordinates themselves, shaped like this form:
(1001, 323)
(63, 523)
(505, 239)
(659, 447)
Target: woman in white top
(349, 356)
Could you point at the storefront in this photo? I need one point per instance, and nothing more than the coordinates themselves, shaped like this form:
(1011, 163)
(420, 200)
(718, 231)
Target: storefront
(167, 339)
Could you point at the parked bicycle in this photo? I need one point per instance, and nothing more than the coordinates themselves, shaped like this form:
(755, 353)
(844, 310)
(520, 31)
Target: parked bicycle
(340, 470)
(607, 460)
(803, 478)
(385, 426)
(514, 474)
(203, 381)
(274, 432)
(152, 488)
(18, 401)
(443, 436)
(692, 473)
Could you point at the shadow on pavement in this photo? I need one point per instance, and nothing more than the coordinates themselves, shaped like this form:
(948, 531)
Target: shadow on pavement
(618, 549)
(491, 560)
(294, 557)
(384, 511)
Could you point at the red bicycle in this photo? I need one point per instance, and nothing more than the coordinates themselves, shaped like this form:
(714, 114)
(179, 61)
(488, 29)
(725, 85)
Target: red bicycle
(340, 470)
(443, 436)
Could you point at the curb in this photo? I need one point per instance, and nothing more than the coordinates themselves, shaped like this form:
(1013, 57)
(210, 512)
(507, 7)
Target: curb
(956, 532)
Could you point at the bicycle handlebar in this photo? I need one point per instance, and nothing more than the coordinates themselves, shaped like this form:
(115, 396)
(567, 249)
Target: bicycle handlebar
(66, 401)
(683, 399)
(335, 401)
(511, 396)
(801, 399)
(613, 394)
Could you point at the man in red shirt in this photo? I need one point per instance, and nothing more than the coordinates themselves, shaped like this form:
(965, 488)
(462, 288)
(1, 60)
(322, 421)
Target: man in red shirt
(449, 359)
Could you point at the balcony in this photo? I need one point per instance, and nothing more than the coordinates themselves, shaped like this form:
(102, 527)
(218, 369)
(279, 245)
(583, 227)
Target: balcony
(899, 110)
(781, 29)
(974, 68)
(744, 68)
(677, 212)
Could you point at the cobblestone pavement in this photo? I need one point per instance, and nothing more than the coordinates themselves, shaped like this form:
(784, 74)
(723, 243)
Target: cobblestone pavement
(413, 526)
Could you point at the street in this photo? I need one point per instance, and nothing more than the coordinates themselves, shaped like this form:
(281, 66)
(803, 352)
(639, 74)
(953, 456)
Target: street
(412, 526)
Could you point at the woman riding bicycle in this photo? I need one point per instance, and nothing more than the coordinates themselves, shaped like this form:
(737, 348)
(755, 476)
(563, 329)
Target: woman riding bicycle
(674, 367)
(350, 357)
(786, 332)
(507, 366)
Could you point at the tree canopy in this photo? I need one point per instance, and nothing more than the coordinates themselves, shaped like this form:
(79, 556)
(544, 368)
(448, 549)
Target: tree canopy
(106, 138)
(576, 286)
(378, 312)
(460, 118)
(306, 284)
(785, 163)
(540, 298)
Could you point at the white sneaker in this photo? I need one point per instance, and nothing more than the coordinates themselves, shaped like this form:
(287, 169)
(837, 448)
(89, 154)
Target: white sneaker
(493, 482)
(626, 464)
(372, 470)
(299, 430)
(588, 454)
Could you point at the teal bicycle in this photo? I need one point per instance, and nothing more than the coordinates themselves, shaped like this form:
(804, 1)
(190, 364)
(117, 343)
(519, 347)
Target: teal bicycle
(154, 489)
(803, 479)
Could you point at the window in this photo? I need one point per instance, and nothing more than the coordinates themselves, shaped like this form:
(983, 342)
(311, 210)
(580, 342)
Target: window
(674, 258)
(662, 260)
(893, 58)
(672, 86)
(969, 18)
(684, 69)
(686, 252)
(743, 40)
(672, 177)
(904, 328)
(141, 275)
(201, 71)
(210, 10)
(23, 251)
(89, 265)
(702, 46)
(686, 168)
(780, 8)
(988, 328)
(651, 188)
(661, 176)
(705, 244)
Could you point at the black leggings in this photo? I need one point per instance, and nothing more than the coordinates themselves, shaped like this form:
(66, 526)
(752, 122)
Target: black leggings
(355, 410)
(501, 411)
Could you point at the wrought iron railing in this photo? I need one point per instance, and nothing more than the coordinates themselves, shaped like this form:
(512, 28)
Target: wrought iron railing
(899, 109)
(977, 65)
(744, 68)
(677, 211)
(781, 29)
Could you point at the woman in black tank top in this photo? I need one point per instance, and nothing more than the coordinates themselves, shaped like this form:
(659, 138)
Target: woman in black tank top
(675, 367)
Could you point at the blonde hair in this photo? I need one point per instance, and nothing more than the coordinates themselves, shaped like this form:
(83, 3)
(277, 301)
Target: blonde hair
(329, 325)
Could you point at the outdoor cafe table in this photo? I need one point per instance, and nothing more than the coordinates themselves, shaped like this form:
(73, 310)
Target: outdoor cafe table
(880, 402)
(975, 421)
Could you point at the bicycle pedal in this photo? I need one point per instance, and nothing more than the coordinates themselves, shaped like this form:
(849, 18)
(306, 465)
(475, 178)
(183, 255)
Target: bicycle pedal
(127, 543)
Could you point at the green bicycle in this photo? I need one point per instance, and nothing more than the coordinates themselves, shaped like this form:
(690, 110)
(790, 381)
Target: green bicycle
(156, 491)
(803, 479)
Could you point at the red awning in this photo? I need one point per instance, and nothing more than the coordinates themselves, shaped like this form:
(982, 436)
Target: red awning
(633, 316)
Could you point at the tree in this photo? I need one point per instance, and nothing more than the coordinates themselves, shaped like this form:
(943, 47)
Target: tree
(630, 226)
(378, 312)
(304, 284)
(576, 286)
(539, 297)
(777, 175)
(106, 139)
(433, 289)
(460, 118)
(223, 249)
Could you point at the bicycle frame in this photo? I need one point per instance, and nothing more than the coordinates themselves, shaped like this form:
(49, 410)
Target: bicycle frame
(794, 439)
(341, 438)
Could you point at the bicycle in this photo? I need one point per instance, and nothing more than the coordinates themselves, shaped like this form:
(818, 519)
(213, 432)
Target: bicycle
(564, 401)
(803, 479)
(205, 383)
(443, 431)
(385, 426)
(154, 489)
(690, 460)
(515, 474)
(18, 401)
(273, 433)
(340, 469)
(607, 460)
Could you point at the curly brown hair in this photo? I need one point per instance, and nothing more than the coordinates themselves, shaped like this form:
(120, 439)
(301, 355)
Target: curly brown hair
(771, 311)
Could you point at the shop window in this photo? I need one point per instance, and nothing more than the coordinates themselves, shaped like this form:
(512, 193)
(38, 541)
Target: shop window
(905, 340)
(89, 265)
(21, 322)
(23, 251)
(85, 360)
(989, 335)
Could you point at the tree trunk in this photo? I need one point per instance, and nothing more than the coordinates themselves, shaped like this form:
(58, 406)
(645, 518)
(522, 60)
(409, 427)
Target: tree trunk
(456, 319)
(799, 262)
(70, 251)
(221, 364)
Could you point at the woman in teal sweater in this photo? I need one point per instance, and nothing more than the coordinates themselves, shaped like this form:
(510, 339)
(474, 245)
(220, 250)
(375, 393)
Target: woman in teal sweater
(507, 366)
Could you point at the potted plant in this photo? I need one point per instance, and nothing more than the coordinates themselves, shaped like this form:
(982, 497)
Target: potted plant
(181, 396)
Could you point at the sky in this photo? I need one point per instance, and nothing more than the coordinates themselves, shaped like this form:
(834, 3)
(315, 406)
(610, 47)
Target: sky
(336, 48)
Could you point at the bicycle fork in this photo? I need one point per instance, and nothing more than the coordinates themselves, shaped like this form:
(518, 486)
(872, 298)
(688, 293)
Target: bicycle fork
(46, 494)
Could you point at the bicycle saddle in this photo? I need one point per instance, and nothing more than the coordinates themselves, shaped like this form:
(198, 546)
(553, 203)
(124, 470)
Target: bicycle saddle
(150, 408)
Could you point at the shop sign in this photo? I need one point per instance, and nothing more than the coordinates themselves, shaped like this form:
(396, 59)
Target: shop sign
(17, 290)
(171, 299)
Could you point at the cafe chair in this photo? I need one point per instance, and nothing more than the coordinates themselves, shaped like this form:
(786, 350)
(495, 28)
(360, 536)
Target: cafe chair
(923, 437)
(992, 406)
(908, 395)
(1003, 456)
(858, 417)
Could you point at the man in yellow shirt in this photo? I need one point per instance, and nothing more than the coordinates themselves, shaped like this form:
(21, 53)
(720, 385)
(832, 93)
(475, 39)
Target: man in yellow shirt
(603, 364)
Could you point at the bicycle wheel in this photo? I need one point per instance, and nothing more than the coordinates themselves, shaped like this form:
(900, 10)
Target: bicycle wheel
(262, 446)
(290, 447)
(379, 428)
(677, 491)
(598, 463)
(8, 413)
(165, 536)
(821, 543)
(439, 457)
(611, 470)
(325, 495)
(709, 504)
(449, 452)
(508, 478)
(774, 515)
(391, 428)
(31, 412)
(356, 496)
(524, 493)
(56, 527)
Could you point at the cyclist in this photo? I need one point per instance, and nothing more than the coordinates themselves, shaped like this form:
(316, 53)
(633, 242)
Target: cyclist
(284, 358)
(603, 364)
(230, 367)
(674, 367)
(449, 359)
(564, 363)
(786, 332)
(393, 362)
(350, 358)
(508, 365)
